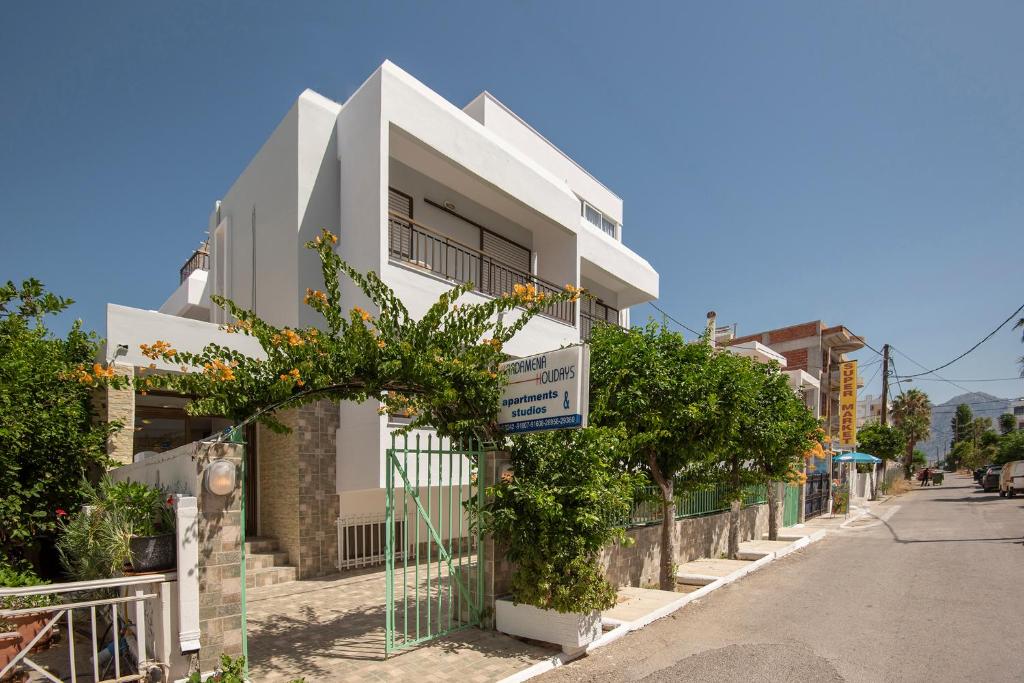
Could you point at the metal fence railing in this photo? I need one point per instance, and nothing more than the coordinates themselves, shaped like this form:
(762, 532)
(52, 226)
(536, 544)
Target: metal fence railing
(693, 503)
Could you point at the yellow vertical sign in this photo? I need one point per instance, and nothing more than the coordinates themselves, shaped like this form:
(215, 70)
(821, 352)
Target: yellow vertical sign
(848, 403)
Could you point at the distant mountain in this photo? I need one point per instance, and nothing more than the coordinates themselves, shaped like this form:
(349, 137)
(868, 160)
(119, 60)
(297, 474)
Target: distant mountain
(981, 404)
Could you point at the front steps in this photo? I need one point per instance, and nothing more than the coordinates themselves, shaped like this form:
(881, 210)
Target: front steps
(266, 564)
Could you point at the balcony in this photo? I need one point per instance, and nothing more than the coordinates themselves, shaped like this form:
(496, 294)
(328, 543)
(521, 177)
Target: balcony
(417, 245)
(200, 260)
(595, 312)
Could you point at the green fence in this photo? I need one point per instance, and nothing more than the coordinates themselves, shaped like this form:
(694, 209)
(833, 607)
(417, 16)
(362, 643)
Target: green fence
(791, 506)
(434, 575)
(693, 503)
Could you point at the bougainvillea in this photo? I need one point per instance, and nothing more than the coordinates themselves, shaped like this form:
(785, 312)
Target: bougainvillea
(441, 369)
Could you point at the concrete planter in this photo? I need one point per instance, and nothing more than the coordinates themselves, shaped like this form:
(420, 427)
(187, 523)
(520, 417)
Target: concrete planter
(573, 632)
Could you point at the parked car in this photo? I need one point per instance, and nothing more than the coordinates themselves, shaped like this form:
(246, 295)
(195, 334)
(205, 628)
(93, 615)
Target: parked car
(1011, 479)
(980, 472)
(990, 482)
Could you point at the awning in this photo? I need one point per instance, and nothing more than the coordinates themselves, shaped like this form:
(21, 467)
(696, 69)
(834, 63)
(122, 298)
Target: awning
(857, 457)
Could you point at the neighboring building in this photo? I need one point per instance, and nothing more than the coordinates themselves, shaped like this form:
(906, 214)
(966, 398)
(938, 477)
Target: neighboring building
(869, 410)
(817, 350)
(805, 384)
(418, 190)
(1017, 410)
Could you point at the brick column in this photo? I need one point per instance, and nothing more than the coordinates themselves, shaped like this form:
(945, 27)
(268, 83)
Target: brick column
(496, 566)
(119, 404)
(218, 534)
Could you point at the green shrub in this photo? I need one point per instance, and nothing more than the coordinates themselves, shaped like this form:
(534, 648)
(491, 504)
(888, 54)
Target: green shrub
(49, 441)
(94, 543)
(11, 577)
(229, 671)
(553, 513)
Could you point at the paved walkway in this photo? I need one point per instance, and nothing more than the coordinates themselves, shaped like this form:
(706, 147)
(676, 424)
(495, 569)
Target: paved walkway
(332, 629)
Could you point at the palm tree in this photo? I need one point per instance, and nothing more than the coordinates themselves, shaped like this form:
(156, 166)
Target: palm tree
(912, 413)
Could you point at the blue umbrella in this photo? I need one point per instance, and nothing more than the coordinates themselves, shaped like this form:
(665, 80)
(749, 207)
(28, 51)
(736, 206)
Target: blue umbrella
(856, 457)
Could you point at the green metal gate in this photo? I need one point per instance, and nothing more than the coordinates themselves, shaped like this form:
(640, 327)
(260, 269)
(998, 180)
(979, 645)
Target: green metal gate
(791, 506)
(433, 566)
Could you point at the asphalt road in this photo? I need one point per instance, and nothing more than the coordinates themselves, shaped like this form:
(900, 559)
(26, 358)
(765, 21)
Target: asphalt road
(933, 593)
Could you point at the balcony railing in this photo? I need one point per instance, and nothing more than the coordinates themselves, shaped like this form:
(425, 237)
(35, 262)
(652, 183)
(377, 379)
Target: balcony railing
(596, 313)
(200, 260)
(415, 244)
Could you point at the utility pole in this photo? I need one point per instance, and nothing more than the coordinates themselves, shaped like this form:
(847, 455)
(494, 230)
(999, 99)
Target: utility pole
(885, 384)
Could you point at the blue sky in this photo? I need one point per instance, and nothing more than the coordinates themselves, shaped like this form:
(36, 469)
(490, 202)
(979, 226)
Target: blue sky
(862, 163)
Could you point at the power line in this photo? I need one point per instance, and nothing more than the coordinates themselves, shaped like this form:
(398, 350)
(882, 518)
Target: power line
(993, 379)
(685, 327)
(983, 340)
(925, 368)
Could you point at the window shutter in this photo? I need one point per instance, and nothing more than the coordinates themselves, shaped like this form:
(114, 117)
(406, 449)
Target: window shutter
(399, 231)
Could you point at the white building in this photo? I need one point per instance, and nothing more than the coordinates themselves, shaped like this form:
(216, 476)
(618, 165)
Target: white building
(418, 190)
(869, 410)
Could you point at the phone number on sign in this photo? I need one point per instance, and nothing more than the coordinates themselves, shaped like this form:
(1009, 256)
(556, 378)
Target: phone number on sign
(541, 424)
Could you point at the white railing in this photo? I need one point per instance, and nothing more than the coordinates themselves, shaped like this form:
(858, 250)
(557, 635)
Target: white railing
(361, 540)
(115, 629)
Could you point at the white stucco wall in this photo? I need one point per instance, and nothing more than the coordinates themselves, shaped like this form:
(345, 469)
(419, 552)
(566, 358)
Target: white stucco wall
(191, 299)
(329, 165)
(134, 326)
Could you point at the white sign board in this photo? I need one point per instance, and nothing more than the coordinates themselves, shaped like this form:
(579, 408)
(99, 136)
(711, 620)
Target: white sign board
(547, 391)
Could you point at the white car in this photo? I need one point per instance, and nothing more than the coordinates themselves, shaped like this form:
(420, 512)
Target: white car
(1011, 479)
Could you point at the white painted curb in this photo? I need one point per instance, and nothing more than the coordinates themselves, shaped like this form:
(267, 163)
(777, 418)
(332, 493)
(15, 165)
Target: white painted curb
(621, 628)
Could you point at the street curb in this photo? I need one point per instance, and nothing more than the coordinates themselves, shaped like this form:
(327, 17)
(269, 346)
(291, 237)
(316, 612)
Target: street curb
(621, 628)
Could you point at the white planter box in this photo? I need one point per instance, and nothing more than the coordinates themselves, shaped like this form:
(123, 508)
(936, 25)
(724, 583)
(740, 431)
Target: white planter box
(572, 632)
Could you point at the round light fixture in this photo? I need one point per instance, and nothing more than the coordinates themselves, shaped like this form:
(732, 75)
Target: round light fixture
(220, 477)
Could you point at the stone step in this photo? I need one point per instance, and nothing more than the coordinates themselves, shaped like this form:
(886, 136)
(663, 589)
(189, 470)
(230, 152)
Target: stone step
(751, 555)
(269, 576)
(789, 535)
(695, 579)
(264, 560)
(260, 544)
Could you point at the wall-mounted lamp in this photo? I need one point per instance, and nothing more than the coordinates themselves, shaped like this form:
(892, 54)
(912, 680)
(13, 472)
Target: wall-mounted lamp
(219, 477)
(122, 350)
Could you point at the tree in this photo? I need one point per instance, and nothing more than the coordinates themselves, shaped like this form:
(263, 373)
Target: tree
(1011, 447)
(960, 425)
(49, 444)
(774, 432)
(674, 402)
(911, 411)
(919, 459)
(964, 454)
(882, 441)
(1007, 423)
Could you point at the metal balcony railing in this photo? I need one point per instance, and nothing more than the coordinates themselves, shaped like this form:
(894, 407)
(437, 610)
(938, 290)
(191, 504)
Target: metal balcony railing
(413, 243)
(200, 260)
(596, 313)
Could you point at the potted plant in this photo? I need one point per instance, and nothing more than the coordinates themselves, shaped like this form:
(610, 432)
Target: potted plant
(553, 513)
(18, 630)
(126, 526)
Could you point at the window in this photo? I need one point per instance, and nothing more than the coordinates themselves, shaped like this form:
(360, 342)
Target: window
(1018, 410)
(598, 219)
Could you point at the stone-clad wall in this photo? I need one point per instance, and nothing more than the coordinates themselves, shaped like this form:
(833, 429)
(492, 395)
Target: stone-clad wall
(316, 429)
(298, 497)
(277, 470)
(220, 583)
(119, 405)
(708, 536)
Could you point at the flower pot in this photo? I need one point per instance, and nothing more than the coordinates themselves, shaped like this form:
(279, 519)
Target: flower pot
(573, 632)
(152, 553)
(25, 627)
